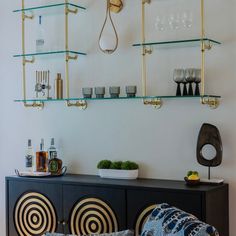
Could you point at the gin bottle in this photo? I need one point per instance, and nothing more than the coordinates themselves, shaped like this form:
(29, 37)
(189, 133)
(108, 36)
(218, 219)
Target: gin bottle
(29, 157)
(52, 149)
(40, 41)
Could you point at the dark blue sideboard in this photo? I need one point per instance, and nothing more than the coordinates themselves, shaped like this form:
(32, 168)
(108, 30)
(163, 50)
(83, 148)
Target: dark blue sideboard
(85, 204)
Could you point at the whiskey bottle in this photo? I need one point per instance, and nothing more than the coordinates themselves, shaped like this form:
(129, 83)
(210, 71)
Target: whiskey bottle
(55, 164)
(29, 157)
(42, 159)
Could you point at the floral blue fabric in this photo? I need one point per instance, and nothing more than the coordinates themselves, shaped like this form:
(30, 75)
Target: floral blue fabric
(166, 220)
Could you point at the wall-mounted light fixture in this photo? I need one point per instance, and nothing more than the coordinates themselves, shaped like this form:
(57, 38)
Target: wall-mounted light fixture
(108, 38)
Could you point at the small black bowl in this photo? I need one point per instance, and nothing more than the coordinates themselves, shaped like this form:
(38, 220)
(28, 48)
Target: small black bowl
(192, 182)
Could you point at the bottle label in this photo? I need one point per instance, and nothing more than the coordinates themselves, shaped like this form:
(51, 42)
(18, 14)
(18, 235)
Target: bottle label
(28, 161)
(53, 166)
(52, 154)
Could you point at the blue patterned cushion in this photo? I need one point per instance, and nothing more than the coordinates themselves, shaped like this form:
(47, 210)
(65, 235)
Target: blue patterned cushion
(120, 233)
(166, 220)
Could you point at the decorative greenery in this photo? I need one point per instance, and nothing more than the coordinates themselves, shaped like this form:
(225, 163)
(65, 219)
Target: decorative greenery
(104, 164)
(129, 165)
(117, 165)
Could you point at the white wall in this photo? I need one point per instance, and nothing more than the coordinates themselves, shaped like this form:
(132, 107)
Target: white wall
(162, 141)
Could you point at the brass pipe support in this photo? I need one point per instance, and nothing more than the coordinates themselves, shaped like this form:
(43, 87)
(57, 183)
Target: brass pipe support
(80, 104)
(75, 11)
(212, 102)
(68, 57)
(28, 61)
(34, 104)
(208, 45)
(157, 103)
(24, 16)
(147, 50)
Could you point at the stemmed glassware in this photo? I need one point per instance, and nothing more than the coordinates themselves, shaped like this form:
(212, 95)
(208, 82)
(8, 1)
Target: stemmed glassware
(160, 23)
(197, 81)
(187, 19)
(190, 78)
(178, 78)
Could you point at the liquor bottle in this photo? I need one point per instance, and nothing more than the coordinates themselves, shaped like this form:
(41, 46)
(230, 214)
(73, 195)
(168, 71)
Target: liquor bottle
(29, 157)
(40, 41)
(42, 159)
(55, 164)
(52, 149)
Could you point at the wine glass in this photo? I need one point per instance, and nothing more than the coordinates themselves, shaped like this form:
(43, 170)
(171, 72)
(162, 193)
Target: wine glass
(160, 23)
(178, 77)
(198, 75)
(187, 19)
(173, 21)
(190, 78)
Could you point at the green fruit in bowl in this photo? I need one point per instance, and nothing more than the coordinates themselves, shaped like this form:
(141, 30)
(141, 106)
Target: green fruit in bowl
(189, 173)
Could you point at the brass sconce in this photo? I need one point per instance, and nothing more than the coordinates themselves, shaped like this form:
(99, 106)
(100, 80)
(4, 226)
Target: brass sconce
(108, 43)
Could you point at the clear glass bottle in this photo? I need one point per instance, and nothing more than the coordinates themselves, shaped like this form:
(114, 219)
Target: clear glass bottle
(42, 159)
(55, 164)
(29, 157)
(52, 149)
(40, 40)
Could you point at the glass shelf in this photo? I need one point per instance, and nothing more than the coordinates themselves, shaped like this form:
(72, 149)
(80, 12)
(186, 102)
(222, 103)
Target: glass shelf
(49, 53)
(120, 98)
(50, 6)
(178, 43)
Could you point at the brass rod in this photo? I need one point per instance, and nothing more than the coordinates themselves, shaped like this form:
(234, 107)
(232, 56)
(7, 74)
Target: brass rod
(144, 69)
(23, 50)
(67, 49)
(202, 49)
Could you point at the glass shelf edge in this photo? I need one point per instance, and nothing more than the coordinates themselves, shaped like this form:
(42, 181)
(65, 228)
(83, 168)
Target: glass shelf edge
(120, 98)
(49, 6)
(49, 53)
(176, 42)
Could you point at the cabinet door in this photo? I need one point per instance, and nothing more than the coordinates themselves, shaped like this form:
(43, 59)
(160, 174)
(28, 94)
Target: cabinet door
(33, 208)
(90, 210)
(140, 204)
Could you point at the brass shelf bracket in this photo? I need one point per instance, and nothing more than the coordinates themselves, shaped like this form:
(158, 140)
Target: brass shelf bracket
(208, 45)
(25, 61)
(147, 50)
(24, 16)
(39, 105)
(68, 57)
(80, 104)
(212, 102)
(68, 10)
(156, 102)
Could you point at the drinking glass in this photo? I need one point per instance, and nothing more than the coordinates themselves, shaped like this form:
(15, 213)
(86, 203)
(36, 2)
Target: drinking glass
(187, 19)
(198, 74)
(190, 78)
(160, 23)
(174, 21)
(178, 77)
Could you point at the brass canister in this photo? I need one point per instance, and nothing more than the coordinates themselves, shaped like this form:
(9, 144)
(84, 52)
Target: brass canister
(58, 87)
